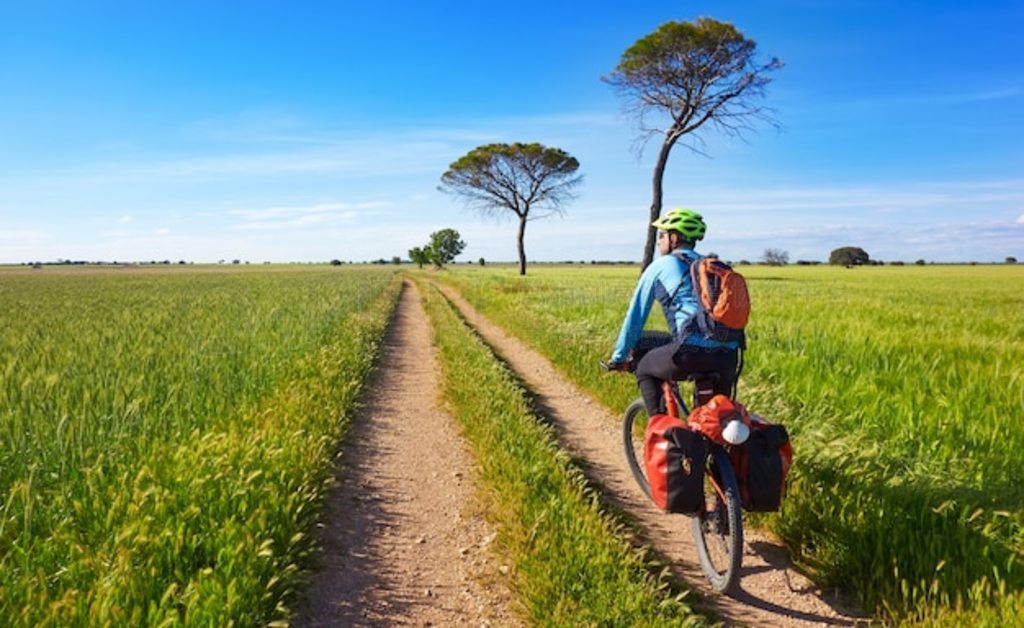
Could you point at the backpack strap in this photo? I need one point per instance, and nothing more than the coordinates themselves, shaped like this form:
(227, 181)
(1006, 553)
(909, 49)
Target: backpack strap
(704, 321)
(689, 262)
(701, 316)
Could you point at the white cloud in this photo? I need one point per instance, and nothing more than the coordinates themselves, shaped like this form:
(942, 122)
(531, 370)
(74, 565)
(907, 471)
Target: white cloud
(250, 126)
(162, 232)
(279, 146)
(309, 210)
(979, 96)
(917, 196)
(250, 176)
(15, 235)
(303, 217)
(949, 98)
(301, 222)
(355, 158)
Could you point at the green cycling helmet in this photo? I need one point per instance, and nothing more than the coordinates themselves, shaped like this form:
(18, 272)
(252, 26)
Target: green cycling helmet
(685, 221)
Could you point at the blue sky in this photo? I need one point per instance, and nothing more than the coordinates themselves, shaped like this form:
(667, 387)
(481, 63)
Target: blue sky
(306, 131)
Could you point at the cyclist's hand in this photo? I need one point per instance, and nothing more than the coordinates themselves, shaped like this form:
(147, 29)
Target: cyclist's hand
(615, 366)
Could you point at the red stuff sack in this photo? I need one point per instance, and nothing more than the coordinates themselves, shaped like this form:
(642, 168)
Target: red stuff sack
(674, 459)
(712, 417)
(762, 464)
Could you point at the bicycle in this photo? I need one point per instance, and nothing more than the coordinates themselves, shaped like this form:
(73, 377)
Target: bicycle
(717, 527)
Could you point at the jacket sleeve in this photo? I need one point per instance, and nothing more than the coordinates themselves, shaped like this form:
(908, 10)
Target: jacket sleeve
(636, 316)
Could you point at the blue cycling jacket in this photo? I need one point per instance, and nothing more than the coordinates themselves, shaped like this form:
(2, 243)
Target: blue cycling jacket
(667, 279)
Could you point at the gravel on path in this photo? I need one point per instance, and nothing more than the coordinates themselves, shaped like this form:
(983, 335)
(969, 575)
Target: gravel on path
(403, 542)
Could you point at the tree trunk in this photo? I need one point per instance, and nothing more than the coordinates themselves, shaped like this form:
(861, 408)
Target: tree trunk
(659, 174)
(519, 244)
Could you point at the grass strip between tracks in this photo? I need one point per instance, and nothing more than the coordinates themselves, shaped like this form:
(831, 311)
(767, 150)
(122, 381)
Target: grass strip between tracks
(571, 564)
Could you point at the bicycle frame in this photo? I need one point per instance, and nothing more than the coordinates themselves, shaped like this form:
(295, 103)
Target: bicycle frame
(703, 391)
(674, 400)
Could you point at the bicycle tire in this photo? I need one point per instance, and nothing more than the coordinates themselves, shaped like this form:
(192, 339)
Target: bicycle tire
(719, 541)
(634, 424)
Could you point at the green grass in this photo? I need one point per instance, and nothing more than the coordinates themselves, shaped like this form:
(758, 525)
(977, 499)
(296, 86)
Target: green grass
(903, 389)
(571, 564)
(166, 437)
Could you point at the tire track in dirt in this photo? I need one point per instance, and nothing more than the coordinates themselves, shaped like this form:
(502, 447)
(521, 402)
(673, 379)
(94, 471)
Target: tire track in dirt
(403, 543)
(770, 593)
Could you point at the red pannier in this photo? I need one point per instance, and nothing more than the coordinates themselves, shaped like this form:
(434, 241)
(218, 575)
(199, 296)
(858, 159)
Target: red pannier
(762, 464)
(674, 458)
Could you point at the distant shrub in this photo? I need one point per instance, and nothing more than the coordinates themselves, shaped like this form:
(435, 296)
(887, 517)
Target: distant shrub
(775, 257)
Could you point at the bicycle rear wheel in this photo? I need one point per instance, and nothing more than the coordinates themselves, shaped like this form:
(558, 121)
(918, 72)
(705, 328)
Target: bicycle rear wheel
(634, 425)
(718, 527)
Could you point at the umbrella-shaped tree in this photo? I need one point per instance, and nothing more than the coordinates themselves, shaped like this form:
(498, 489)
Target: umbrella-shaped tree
(693, 74)
(528, 181)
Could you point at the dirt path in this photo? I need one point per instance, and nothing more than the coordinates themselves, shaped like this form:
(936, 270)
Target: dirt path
(402, 542)
(771, 594)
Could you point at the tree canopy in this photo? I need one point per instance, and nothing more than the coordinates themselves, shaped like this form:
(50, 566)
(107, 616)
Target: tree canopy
(419, 256)
(692, 73)
(528, 181)
(849, 256)
(444, 246)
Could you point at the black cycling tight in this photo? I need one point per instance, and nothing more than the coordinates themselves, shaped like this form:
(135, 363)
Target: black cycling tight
(669, 363)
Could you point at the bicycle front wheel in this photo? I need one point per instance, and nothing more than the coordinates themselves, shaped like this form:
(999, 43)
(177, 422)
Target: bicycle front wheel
(634, 425)
(718, 526)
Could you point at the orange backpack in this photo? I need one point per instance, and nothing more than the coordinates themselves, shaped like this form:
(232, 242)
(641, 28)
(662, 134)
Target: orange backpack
(723, 297)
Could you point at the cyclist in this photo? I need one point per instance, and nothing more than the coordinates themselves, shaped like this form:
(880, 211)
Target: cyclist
(668, 280)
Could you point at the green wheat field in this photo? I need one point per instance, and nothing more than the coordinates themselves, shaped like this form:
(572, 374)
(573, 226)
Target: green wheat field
(167, 436)
(903, 388)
